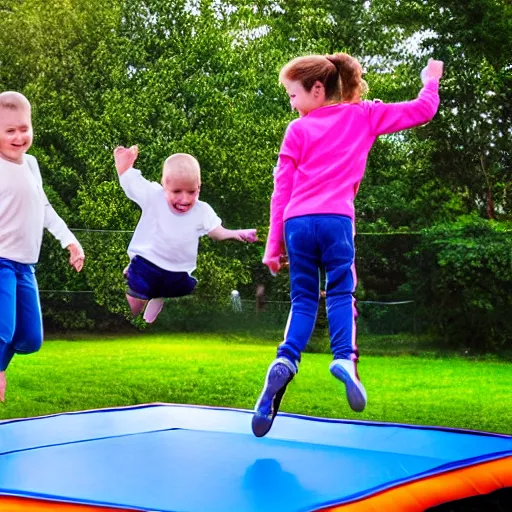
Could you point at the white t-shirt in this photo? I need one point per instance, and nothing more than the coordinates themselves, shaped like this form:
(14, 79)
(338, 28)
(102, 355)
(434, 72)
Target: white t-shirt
(25, 211)
(168, 239)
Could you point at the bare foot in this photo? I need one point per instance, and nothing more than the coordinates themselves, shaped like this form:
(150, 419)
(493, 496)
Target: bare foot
(153, 309)
(136, 305)
(3, 385)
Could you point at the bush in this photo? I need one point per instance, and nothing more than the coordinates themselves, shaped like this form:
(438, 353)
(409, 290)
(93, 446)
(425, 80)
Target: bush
(462, 277)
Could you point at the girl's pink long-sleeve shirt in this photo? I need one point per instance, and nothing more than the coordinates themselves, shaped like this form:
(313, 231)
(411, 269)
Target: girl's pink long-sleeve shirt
(323, 156)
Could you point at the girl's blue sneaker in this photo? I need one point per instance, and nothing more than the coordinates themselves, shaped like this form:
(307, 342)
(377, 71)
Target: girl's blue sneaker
(279, 374)
(345, 370)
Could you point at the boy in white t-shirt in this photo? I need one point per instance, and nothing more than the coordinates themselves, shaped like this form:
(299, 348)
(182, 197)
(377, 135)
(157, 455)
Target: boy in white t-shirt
(24, 212)
(164, 246)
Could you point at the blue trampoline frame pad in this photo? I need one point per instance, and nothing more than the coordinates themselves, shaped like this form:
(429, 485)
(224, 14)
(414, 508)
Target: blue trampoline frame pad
(181, 458)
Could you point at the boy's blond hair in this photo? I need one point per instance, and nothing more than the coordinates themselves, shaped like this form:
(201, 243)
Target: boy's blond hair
(181, 165)
(13, 100)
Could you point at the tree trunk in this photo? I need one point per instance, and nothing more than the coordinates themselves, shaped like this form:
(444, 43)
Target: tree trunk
(490, 200)
(490, 204)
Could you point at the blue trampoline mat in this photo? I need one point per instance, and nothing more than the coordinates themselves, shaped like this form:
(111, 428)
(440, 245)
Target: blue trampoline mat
(174, 458)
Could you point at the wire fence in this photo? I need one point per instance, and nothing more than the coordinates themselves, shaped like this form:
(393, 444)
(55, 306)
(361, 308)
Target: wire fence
(95, 301)
(387, 298)
(218, 314)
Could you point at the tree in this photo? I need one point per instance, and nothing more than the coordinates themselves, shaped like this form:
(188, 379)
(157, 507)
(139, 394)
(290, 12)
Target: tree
(472, 131)
(201, 77)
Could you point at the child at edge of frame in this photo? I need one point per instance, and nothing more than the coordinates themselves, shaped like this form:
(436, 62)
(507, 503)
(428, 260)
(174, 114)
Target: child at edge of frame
(24, 213)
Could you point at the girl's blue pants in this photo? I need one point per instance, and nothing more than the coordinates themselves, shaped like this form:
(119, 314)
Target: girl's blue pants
(313, 243)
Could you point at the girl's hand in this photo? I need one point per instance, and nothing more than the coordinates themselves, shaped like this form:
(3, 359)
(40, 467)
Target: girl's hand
(275, 257)
(433, 70)
(273, 264)
(276, 263)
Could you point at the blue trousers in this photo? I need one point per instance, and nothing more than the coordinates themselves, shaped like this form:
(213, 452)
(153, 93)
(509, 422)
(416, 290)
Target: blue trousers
(315, 242)
(21, 325)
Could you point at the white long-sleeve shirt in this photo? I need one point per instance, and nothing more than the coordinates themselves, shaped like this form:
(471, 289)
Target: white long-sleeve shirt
(25, 211)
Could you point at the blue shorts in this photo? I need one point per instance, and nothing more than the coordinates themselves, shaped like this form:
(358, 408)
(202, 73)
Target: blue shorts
(148, 281)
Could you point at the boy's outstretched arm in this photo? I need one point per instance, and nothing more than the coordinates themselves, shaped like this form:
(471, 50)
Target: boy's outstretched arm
(125, 158)
(242, 235)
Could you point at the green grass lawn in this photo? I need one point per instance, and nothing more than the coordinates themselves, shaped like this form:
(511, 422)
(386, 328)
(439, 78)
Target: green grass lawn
(229, 371)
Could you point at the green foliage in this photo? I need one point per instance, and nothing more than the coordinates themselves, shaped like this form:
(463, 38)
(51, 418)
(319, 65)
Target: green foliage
(219, 274)
(463, 279)
(472, 130)
(106, 259)
(201, 77)
(60, 285)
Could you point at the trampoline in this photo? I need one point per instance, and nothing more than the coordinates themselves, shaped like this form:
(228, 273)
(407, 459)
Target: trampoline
(179, 458)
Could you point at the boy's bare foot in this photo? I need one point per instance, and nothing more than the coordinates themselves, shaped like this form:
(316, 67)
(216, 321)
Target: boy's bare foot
(136, 305)
(153, 309)
(3, 385)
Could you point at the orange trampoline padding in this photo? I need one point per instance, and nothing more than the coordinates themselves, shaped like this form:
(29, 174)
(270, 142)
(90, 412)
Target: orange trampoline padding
(8, 504)
(435, 490)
